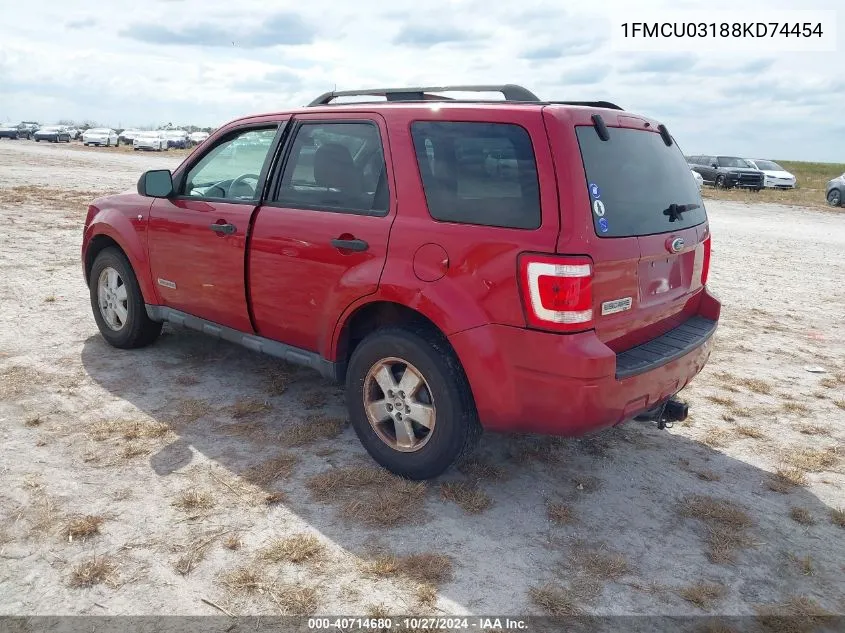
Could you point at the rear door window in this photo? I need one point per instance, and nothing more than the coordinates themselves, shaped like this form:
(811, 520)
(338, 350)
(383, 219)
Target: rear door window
(478, 173)
(638, 185)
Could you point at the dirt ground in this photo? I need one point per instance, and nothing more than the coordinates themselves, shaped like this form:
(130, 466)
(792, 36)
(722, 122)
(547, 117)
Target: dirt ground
(195, 472)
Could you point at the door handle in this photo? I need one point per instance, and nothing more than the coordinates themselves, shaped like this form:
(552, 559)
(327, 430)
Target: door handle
(350, 245)
(226, 229)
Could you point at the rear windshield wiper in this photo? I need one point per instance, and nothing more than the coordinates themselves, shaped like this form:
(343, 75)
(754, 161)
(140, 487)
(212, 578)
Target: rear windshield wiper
(675, 210)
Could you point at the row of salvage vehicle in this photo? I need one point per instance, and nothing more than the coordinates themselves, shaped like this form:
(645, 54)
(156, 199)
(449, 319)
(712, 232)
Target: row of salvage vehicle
(156, 140)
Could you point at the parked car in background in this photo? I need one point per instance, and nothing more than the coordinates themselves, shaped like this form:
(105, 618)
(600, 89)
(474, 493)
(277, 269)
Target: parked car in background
(774, 176)
(176, 139)
(726, 172)
(154, 141)
(31, 126)
(100, 136)
(835, 191)
(127, 136)
(197, 137)
(699, 181)
(13, 131)
(599, 311)
(52, 133)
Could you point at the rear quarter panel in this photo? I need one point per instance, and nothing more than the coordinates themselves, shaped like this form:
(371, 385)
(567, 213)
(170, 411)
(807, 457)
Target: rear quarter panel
(479, 283)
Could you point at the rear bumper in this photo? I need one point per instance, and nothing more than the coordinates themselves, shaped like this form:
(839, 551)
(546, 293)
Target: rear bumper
(536, 382)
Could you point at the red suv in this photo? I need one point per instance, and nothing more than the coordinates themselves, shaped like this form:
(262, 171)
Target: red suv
(515, 265)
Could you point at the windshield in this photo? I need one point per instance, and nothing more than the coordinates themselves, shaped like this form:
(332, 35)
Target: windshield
(768, 165)
(637, 185)
(49, 129)
(99, 130)
(731, 161)
(148, 135)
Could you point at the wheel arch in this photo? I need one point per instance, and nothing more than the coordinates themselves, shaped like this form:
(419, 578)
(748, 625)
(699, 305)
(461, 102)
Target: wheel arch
(367, 318)
(101, 235)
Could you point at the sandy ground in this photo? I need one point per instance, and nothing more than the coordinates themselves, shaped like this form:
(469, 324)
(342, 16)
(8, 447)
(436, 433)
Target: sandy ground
(197, 477)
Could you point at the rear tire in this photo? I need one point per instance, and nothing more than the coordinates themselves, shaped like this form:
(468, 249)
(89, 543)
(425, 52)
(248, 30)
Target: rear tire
(834, 197)
(135, 329)
(444, 392)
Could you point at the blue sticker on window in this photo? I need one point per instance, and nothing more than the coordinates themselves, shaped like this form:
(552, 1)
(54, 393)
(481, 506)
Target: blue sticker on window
(603, 225)
(594, 191)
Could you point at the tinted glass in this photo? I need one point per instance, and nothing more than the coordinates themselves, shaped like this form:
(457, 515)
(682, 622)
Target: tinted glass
(336, 167)
(731, 161)
(478, 173)
(231, 170)
(633, 179)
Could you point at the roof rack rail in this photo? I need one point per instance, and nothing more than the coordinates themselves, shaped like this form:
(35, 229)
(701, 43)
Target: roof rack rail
(591, 104)
(511, 92)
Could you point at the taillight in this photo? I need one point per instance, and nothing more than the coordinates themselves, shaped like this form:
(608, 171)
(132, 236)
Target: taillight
(557, 292)
(705, 264)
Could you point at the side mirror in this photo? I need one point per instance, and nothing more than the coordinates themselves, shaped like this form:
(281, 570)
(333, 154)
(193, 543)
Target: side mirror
(714, 165)
(156, 183)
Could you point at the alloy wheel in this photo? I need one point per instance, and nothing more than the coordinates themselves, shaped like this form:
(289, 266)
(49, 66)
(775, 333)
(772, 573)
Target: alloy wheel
(399, 404)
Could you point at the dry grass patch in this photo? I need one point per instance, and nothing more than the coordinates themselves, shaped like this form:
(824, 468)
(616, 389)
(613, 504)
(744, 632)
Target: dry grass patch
(232, 542)
(560, 514)
(702, 594)
(813, 429)
(298, 548)
(294, 599)
(49, 196)
(750, 431)
(813, 460)
(94, 571)
(81, 528)
(433, 569)
(528, 449)
(467, 495)
(315, 428)
(193, 500)
(33, 421)
(801, 515)
(315, 399)
(186, 380)
(785, 479)
(248, 407)
(756, 385)
(726, 523)
(479, 469)
(241, 580)
(839, 403)
(370, 496)
(192, 409)
(737, 411)
(716, 438)
(275, 497)
(18, 379)
(722, 400)
(278, 467)
(599, 563)
(707, 475)
(837, 516)
(799, 614)
(794, 407)
(556, 600)
(130, 451)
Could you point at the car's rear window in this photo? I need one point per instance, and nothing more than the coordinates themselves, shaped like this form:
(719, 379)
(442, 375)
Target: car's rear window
(637, 185)
(478, 173)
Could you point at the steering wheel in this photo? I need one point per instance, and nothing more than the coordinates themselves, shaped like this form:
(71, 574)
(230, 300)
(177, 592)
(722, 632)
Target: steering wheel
(237, 181)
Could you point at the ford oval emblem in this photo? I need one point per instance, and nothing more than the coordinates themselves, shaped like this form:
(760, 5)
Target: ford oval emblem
(676, 245)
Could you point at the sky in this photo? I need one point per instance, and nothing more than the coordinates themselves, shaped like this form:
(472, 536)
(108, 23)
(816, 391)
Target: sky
(204, 62)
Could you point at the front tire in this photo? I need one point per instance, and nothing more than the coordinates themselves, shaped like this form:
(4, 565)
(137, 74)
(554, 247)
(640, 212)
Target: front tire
(117, 302)
(409, 402)
(720, 182)
(834, 197)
